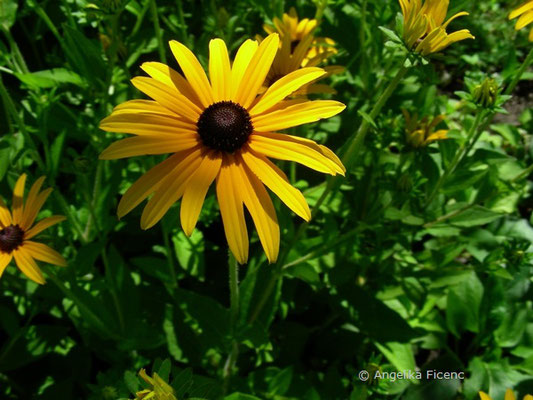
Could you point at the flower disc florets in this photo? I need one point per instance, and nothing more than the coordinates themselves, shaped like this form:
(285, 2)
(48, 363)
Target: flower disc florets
(225, 126)
(11, 237)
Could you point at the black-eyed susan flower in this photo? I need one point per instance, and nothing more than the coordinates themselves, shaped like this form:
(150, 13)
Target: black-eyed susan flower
(300, 48)
(221, 130)
(17, 228)
(525, 12)
(424, 26)
(159, 389)
(509, 395)
(421, 132)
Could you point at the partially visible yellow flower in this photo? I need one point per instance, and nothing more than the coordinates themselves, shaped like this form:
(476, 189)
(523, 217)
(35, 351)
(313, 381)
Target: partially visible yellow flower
(525, 12)
(160, 390)
(420, 133)
(300, 48)
(17, 228)
(424, 29)
(509, 395)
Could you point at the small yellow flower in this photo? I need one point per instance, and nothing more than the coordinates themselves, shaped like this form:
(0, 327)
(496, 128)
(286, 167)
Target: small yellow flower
(424, 29)
(17, 228)
(160, 390)
(420, 133)
(221, 131)
(509, 395)
(525, 12)
(300, 48)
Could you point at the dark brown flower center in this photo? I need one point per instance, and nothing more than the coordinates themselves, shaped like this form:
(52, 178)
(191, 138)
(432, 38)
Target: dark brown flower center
(225, 126)
(11, 237)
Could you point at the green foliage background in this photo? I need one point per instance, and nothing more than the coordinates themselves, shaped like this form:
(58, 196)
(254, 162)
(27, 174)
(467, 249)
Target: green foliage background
(380, 281)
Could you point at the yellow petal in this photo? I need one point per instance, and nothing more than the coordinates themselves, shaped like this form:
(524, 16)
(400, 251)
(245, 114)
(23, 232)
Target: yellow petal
(144, 107)
(170, 190)
(528, 397)
(231, 209)
(292, 148)
(257, 70)
(219, 70)
(42, 225)
(276, 180)
(460, 14)
(525, 19)
(240, 64)
(31, 212)
(167, 97)
(5, 259)
(193, 71)
(164, 74)
(194, 195)
(284, 87)
(261, 209)
(144, 145)
(146, 124)
(484, 396)
(522, 9)
(28, 266)
(297, 114)
(5, 215)
(30, 203)
(509, 395)
(18, 199)
(148, 183)
(44, 253)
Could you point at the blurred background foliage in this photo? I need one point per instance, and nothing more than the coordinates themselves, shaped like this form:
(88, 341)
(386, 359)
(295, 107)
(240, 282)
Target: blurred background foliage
(383, 279)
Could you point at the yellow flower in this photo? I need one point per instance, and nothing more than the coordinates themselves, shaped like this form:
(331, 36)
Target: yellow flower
(424, 29)
(420, 133)
(221, 130)
(16, 230)
(525, 12)
(160, 389)
(300, 48)
(509, 395)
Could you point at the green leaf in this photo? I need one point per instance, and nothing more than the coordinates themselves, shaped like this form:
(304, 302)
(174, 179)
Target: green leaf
(84, 56)
(464, 179)
(390, 34)
(8, 13)
(475, 216)
(367, 118)
(463, 305)
(240, 396)
(190, 252)
(50, 78)
(399, 354)
(132, 382)
(281, 382)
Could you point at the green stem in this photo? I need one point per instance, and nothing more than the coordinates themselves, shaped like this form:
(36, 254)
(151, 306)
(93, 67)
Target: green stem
(71, 217)
(113, 291)
(17, 55)
(527, 62)
(170, 258)
(466, 146)
(183, 26)
(523, 174)
(234, 316)
(233, 289)
(10, 106)
(41, 13)
(158, 33)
